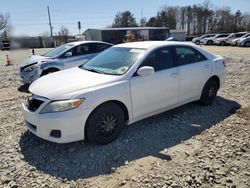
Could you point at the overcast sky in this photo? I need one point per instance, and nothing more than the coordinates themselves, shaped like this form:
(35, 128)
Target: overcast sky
(29, 17)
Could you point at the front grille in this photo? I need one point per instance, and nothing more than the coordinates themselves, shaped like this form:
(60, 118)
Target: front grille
(33, 104)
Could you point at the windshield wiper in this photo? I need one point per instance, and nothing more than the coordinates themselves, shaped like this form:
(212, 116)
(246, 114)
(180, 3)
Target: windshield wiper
(94, 70)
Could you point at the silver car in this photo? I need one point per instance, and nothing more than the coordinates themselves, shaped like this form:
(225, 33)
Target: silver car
(63, 57)
(197, 40)
(211, 40)
(235, 41)
(227, 40)
(244, 42)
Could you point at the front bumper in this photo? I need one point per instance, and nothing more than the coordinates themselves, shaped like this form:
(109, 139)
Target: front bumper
(70, 124)
(232, 43)
(28, 77)
(240, 43)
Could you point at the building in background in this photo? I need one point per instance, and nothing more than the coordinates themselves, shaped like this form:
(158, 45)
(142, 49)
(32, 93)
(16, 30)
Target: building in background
(118, 35)
(179, 35)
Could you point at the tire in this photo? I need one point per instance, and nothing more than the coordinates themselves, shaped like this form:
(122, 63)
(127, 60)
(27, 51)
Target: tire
(209, 92)
(105, 123)
(209, 42)
(197, 42)
(48, 71)
(247, 44)
(223, 43)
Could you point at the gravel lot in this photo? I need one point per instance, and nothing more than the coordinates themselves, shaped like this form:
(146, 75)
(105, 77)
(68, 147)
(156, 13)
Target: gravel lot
(191, 146)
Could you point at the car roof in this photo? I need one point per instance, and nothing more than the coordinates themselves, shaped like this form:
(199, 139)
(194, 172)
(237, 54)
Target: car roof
(150, 44)
(86, 41)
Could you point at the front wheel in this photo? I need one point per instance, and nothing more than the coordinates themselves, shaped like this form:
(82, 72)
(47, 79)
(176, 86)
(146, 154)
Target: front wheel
(105, 123)
(209, 92)
(247, 44)
(197, 42)
(223, 43)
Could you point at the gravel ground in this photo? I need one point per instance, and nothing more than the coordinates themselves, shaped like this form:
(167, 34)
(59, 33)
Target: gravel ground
(191, 146)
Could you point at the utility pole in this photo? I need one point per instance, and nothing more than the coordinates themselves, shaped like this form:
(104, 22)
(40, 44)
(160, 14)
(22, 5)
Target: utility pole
(51, 28)
(142, 19)
(141, 13)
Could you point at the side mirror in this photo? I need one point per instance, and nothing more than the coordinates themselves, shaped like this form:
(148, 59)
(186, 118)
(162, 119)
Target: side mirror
(146, 71)
(68, 54)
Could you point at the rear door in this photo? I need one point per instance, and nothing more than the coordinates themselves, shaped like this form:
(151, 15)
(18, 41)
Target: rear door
(194, 69)
(157, 91)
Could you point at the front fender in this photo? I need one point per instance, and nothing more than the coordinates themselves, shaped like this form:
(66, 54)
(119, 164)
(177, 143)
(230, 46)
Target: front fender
(115, 92)
(51, 64)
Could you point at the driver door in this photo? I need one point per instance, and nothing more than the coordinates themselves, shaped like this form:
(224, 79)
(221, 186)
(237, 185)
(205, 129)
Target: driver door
(155, 92)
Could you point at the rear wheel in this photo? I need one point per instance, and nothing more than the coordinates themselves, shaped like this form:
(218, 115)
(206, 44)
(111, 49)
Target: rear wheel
(209, 42)
(48, 71)
(223, 43)
(209, 92)
(247, 44)
(105, 123)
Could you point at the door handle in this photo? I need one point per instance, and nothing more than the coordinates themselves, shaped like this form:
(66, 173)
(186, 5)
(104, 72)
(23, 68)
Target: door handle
(174, 75)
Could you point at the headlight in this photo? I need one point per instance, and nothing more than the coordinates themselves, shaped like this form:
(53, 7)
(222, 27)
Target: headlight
(59, 106)
(30, 68)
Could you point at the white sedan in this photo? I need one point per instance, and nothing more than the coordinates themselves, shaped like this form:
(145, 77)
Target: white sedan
(126, 83)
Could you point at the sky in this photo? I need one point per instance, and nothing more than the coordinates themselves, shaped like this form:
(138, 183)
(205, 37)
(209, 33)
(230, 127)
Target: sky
(30, 17)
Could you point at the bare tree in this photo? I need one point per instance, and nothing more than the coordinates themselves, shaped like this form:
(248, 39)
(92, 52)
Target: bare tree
(246, 21)
(4, 21)
(63, 34)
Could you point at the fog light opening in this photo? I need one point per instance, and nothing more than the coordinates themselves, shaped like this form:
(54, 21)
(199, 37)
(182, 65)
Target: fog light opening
(56, 133)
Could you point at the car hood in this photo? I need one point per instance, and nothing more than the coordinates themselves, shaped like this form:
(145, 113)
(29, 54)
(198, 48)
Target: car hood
(67, 83)
(33, 59)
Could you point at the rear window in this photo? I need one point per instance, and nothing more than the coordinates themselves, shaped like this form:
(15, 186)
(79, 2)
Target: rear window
(188, 55)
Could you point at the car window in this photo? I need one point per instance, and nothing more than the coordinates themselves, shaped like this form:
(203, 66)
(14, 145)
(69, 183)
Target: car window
(160, 59)
(239, 35)
(222, 36)
(188, 55)
(80, 50)
(99, 47)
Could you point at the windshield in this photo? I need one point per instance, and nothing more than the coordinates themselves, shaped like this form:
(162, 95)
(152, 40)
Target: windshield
(204, 36)
(55, 52)
(114, 61)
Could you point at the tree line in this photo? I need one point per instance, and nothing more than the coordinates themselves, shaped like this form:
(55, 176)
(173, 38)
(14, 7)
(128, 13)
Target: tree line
(195, 19)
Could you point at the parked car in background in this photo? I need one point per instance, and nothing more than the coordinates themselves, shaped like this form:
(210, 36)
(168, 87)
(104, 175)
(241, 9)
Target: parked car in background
(226, 40)
(211, 40)
(124, 84)
(235, 41)
(63, 57)
(197, 40)
(244, 42)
